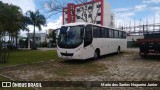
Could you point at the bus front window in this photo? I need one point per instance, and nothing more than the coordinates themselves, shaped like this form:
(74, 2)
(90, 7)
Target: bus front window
(70, 37)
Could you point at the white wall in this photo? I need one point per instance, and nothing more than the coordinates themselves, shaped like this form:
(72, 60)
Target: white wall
(43, 37)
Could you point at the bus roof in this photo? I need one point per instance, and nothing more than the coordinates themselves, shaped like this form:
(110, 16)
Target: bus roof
(86, 23)
(77, 23)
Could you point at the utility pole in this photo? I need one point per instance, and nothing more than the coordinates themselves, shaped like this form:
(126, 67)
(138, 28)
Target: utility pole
(159, 22)
(124, 26)
(116, 23)
(139, 26)
(130, 26)
(153, 23)
(120, 25)
(134, 25)
(147, 25)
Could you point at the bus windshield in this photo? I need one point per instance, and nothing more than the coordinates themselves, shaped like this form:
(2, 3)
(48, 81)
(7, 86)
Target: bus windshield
(70, 36)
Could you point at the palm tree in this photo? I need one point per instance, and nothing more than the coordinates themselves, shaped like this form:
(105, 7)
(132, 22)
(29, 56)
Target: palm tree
(36, 19)
(25, 28)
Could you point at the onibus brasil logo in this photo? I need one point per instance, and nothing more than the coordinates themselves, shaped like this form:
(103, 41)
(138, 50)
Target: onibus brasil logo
(19, 84)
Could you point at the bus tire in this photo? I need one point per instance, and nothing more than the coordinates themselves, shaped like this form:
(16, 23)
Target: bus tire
(96, 54)
(118, 50)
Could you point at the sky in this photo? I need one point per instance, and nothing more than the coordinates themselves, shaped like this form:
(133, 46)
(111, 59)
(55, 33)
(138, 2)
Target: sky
(126, 12)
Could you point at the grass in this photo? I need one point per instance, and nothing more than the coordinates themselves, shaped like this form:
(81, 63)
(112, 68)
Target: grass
(4, 79)
(29, 56)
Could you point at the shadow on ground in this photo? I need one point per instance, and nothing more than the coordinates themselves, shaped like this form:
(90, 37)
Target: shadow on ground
(88, 60)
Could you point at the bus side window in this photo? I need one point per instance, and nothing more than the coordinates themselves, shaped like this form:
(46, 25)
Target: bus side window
(116, 34)
(106, 33)
(120, 34)
(96, 32)
(103, 32)
(111, 33)
(88, 35)
(124, 35)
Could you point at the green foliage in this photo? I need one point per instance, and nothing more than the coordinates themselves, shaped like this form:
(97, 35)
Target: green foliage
(11, 21)
(43, 44)
(36, 19)
(11, 18)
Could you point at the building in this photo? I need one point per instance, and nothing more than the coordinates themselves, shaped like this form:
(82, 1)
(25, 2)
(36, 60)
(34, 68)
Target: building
(96, 11)
(39, 37)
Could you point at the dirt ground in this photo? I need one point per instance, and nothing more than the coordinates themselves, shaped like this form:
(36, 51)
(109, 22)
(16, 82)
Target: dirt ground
(127, 66)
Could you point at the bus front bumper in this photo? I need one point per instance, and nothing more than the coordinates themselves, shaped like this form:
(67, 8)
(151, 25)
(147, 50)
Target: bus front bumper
(70, 56)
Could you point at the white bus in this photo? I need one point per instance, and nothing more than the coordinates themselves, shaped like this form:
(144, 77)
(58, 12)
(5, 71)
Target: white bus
(86, 40)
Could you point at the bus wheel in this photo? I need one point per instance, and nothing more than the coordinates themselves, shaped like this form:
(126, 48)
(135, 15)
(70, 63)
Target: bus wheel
(96, 55)
(118, 50)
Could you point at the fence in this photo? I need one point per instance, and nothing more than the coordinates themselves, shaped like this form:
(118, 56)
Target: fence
(142, 29)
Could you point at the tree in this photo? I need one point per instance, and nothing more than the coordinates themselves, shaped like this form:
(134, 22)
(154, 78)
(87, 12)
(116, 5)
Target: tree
(17, 22)
(57, 6)
(36, 19)
(25, 27)
(10, 22)
(11, 19)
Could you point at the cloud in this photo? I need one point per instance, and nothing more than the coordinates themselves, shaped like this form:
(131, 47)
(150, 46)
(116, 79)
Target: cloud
(140, 7)
(25, 5)
(151, 1)
(136, 8)
(54, 25)
(147, 12)
(118, 10)
(50, 25)
(129, 21)
(155, 9)
(126, 16)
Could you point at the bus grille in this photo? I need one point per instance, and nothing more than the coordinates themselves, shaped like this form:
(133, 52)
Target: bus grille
(67, 54)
